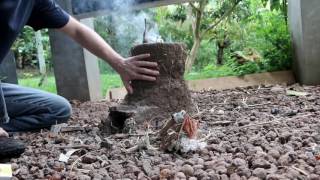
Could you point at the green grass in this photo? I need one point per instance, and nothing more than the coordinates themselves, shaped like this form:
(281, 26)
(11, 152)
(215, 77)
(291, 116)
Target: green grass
(108, 81)
(211, 72)
(114, 81)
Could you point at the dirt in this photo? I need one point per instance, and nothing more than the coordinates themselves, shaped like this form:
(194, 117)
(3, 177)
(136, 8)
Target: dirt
(252, 133)
(155, 101)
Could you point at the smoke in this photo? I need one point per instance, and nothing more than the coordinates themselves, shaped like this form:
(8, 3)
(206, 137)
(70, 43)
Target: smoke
(128, 21)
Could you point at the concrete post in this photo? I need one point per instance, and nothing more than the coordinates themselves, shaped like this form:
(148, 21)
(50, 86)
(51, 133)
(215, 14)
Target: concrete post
(8, 71)
(76, 70)
(304, 20)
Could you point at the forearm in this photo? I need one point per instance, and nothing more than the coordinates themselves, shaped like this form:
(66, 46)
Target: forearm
(90, 40)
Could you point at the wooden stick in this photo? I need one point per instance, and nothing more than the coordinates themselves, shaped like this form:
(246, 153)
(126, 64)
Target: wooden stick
(76, 147)
(259, 124)
(300, 170)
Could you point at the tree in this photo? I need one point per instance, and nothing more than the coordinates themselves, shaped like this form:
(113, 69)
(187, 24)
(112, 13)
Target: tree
(204, 20)
(281, 5)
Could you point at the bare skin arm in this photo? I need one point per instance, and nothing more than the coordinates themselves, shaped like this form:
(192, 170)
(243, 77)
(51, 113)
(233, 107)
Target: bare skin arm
(133, 68)
(3, 133)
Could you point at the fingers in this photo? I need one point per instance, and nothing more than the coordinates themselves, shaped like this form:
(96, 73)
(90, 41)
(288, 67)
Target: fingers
(147, 71)
(128, 87)
(145, 78)
(141, 56)
(146, 64)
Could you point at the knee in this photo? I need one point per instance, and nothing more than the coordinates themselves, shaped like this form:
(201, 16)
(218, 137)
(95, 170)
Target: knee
(62, 109)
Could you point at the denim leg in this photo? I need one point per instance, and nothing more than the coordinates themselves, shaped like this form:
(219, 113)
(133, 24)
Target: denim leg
(30, 109)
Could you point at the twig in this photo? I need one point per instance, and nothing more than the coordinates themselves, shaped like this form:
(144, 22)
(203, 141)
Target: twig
(207, 137)
(221, 123)
(77, 160)
(197, 107)
(300, 170)
(259, 124)
(76, 147)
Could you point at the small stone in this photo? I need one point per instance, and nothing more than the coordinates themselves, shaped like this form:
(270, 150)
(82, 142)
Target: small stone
(260, 173)
(106, 143)
(89, 159)
(284, 160)
(235, 176)
(277, 89)
(271, 136)
(146, 165)
(244, 171)
(209, 164)
(165, 173)
(200, 161)
(275, 111)
(213, 176)
(221, 169)
(97, 177)
(187, 170)
(239, 162)
(254, 178)
(56, 177)
(220, 112)
(274, 153)
(180, 176)
(243, 123)
(192, 178)
(314, 177)
(224, 177)
(198, 166)
(292, 174)
(84, 177)
(285, 137)
(275, 177)
(260, 163)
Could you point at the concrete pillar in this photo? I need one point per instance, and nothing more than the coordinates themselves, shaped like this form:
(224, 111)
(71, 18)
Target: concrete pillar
(76, 70)
(8, 71)
(304, 20)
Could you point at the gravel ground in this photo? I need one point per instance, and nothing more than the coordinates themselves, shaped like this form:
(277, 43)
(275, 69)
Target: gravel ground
(252, 133)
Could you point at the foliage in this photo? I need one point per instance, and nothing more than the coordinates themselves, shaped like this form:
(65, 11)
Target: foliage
(24, 48)
(254, 26)
(251, 26)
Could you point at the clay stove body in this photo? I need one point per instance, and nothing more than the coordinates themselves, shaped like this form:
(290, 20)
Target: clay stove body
(153, 102)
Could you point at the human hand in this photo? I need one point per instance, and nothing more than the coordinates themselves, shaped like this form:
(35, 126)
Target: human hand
(3, 133)
(134, 68)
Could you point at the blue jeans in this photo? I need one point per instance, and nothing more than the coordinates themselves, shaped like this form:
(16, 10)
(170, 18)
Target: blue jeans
(30, 109)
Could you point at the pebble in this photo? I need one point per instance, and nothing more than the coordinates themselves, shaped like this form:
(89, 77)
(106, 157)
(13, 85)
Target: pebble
(235, 176)
(84, 177)
(187, 170)
(233, 153)
(260, 173)
(260, 163)
(180, 176)
(239, 162)
(274, 153)
(89, 159)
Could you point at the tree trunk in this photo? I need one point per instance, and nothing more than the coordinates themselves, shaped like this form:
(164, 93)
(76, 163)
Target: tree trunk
(220, 54)
(153, 102)
(196, 27)
(192, 55)
(40, 56)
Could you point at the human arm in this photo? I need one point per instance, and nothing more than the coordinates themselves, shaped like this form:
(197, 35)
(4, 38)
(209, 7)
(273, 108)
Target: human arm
(132, 68)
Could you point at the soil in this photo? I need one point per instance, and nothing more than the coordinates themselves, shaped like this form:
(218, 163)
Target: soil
(154, 101)
(252, 133)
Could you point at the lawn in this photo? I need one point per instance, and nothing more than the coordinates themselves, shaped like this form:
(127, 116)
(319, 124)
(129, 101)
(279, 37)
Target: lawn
(108, 81)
